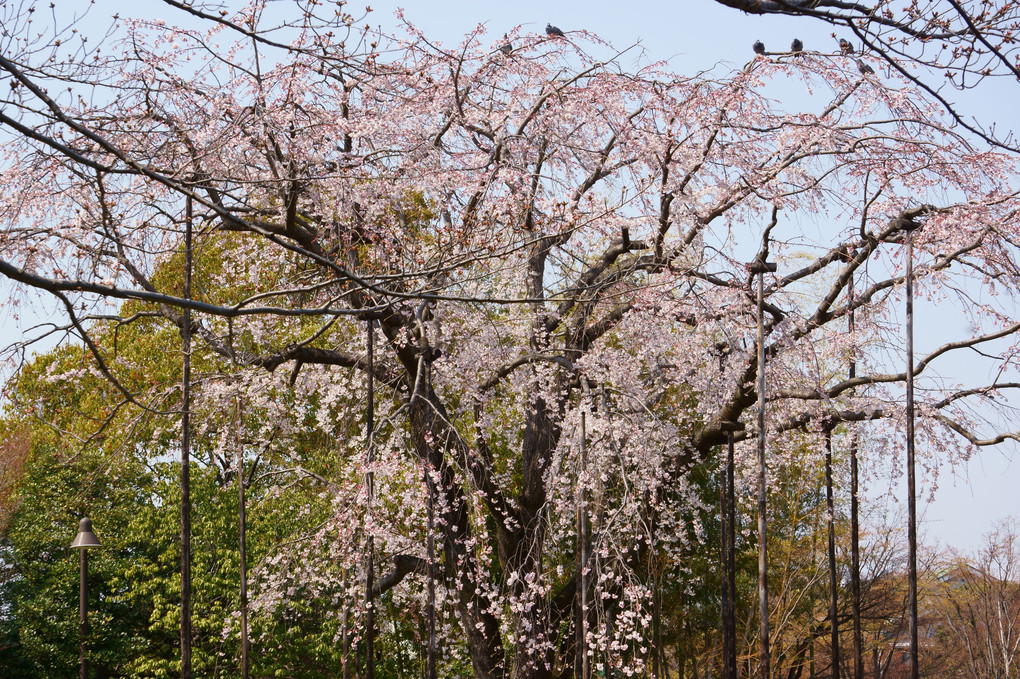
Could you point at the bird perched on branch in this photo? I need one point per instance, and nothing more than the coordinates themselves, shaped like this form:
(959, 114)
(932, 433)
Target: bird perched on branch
(864, 68)
(553, 32)
(506, 48)
(845, 47)
(796, 46)
(759, 47)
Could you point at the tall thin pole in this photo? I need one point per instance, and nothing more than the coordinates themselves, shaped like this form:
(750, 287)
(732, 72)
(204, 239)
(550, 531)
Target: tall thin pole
(911, 495)
(724, 562)
(855, 529)
(186, 458)
(724, 534)
(83, 611)
(855, 561)
(370, 491)
(731, 550)
(763, 576)
(761, 267)
(831, 511)
(727, 513)
(581, 662)
(430, 550)
(346, 632)
(430, 545)
(242, 538)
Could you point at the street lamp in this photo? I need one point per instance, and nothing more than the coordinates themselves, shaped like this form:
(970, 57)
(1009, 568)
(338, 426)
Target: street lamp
(84, 541)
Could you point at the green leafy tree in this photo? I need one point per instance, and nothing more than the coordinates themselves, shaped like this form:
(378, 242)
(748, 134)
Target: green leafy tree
(83, 458)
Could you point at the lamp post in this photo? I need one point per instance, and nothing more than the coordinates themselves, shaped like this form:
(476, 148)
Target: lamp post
(84, 541)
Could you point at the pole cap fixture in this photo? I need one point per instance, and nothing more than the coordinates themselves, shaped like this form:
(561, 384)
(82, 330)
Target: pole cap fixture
(847, 254)
(85, 538)
(761, 266)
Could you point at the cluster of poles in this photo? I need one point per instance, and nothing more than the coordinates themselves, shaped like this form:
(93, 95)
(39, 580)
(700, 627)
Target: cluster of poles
(185, 517)
(727, 510)
(86, 538)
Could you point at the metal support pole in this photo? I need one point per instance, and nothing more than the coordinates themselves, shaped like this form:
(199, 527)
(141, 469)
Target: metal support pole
(831, 520)
(727, 513)
(370, 491)
(761, 267)
(726, 593)
(855, 562)
(185, 639)
(430, 658)
(243, 544)
(855, 529)
(731, 550)
(582, 670)
(911, 492)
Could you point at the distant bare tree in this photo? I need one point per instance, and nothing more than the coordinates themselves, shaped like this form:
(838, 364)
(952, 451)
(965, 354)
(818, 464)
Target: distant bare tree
(978, 606)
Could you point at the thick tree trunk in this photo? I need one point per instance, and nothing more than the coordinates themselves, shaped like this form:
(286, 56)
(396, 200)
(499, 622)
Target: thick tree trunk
(480, 625)
(533, 653)
(433, 440)
(533, 647)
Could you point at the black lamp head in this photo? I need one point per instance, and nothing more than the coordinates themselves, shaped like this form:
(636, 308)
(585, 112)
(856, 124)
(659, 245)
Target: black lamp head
(85, 539)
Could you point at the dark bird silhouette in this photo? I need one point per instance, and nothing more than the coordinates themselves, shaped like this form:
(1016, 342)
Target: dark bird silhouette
(553, 32)
(864, 68)
(506, 48)
(759, 47)
(796, 45)
(845, 47)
